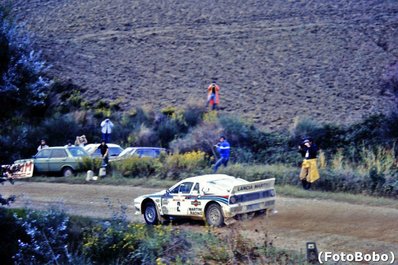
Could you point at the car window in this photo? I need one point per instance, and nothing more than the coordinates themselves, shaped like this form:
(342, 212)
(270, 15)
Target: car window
(58, 153)
(184, 188)
(76, 151)
(97, 152)
(115, 151)
(45, 153)
(196, 187)
(154, 153)
(126, 152)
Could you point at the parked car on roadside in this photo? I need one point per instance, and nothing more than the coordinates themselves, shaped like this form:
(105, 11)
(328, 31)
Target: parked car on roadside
(151, 152)
(94, 151)
(57, 159)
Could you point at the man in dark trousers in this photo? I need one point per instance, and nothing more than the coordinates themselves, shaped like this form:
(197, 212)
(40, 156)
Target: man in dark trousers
(104, 152)
(223, 149)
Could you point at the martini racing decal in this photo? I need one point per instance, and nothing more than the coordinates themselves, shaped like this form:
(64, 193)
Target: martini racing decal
(221, 199)
(195, 211)
(195, 203)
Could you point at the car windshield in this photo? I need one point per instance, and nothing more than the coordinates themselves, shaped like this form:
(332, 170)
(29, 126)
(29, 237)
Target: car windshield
(77, 151)
(126, 151)
(183, 188)
(113, 151)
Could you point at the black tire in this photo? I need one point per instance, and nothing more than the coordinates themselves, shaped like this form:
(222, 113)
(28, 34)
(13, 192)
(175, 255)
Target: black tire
(214, 215)
(150, 214)
(67, 172)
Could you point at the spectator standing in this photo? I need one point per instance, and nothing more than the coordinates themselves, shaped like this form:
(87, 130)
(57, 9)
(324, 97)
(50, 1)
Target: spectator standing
(309, 169)
(213, 95)
(81, 140)
(223, 148)
(42, 145)
(106, 129)
(104, 152)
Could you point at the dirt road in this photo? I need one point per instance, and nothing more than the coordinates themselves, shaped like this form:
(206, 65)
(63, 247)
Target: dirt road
(334, 226)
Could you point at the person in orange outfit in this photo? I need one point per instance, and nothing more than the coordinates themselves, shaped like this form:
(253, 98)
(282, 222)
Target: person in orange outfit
(213, 95)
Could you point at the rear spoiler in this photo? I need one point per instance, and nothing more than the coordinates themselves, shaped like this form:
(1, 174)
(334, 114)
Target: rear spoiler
(266, 184)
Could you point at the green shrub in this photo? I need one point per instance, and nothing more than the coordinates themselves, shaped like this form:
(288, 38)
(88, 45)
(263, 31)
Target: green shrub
(177, 166)
(283, 174)
(47, 236)
(90, 163)
(136, 167)
(135, 244)
(203, 137)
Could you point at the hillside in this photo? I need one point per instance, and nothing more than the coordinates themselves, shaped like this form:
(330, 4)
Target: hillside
(274, 60)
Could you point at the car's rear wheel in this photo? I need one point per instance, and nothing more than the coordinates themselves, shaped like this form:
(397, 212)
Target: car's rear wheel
(150, 214)
(214, 215)
(67, 171)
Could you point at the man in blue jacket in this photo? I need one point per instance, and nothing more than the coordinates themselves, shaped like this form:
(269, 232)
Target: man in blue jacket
(223, 149)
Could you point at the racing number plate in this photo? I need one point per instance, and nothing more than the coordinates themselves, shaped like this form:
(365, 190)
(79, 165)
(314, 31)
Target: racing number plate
(253, 206)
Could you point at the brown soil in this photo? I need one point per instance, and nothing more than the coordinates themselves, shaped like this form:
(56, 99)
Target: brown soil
(334, 226)
(274, 60)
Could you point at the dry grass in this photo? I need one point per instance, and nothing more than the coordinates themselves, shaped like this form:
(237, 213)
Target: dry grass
(274, 60)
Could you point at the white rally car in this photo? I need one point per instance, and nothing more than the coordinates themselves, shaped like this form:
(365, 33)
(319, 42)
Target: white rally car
(214, 198)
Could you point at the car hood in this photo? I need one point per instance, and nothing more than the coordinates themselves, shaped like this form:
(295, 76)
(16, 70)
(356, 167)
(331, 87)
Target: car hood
(20, 161)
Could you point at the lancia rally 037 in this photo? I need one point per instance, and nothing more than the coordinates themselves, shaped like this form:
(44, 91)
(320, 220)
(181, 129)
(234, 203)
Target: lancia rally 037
(215, 198)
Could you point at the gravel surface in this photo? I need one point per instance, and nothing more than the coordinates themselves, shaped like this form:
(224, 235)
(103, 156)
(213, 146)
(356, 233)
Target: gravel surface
(335, 226)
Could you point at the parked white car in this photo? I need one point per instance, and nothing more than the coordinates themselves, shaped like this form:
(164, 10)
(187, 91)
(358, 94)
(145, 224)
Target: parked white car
(151, 152)
(94, 151)
(214, 198)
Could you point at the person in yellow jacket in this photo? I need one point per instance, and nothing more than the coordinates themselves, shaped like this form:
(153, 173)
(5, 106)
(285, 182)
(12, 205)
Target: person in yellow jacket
(213, 95)
(309, 169)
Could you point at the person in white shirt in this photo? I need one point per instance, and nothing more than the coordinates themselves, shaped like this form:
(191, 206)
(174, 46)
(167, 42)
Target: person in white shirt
(106, 130)
(42, 145)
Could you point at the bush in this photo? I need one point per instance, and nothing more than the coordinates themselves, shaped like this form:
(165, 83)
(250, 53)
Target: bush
(135, 244)
(283, 174)
(23, 85)
(177, 166)
(203, 137)
(47, 234)
(136, 167)
(11, 231)
(89, 163)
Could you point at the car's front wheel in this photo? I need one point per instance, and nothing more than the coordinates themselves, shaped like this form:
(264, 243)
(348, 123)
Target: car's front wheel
(67, 172)
(150, 214)
(214, 215)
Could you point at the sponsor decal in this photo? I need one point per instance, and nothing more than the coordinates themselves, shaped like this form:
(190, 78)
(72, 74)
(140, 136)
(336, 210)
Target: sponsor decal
(157, 200)
(165, 210)
(253, 186)
(195, 203)
(195, 211)
(165, 201)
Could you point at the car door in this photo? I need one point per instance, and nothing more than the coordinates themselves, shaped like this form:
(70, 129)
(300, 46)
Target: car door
(176, 202)
(58, 159)
(41, 160)
(193, 202)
